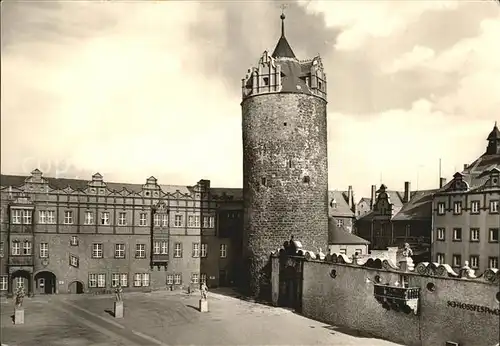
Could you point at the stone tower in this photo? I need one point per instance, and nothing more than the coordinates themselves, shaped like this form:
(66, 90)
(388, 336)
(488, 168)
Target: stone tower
(285, 166)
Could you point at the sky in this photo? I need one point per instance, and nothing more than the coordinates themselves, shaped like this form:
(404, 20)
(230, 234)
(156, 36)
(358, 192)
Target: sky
(139, 89)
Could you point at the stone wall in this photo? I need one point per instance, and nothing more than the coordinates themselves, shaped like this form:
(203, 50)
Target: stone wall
(285, 179)
(458, 307)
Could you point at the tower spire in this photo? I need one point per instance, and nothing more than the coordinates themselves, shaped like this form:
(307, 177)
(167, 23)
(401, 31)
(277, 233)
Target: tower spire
(283, 20)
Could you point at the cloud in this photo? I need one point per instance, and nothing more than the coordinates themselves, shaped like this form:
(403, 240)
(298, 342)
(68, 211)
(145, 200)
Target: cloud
(474, 60)
(361, 21)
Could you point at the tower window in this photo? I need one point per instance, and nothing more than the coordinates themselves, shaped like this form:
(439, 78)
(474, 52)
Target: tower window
(263, 181)
(266, 80)
(320, 85)
(284, 124)
(289, 163)
(306, 179)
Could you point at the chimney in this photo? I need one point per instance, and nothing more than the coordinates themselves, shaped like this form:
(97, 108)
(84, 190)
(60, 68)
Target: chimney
(407, 192)
(442, 182)
(349, 197)
(466, 166)
(372, 201)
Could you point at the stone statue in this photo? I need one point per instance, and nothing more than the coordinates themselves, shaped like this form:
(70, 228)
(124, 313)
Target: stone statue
(118, 293)
(204, 291)
(407, 252)
(19, 297)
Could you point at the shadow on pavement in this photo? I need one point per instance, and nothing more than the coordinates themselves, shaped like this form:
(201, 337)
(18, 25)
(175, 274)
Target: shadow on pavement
(110, 312)
(193, 307)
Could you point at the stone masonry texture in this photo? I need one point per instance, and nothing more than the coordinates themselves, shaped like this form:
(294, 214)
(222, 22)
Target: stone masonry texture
(285, 177)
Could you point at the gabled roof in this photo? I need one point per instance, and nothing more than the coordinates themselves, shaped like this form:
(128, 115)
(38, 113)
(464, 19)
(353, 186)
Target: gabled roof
(495, 133)
(365, 199)
(342, 204)
(339, 236)
(418, 208)
(396, 199)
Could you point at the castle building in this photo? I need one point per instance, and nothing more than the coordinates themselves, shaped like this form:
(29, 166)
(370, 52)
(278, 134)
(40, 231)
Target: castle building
(76, 236)
(285, 168)
(396, 218)
(466, 217)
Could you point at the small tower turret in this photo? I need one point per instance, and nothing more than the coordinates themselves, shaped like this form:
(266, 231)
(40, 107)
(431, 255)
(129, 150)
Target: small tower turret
(493, 139)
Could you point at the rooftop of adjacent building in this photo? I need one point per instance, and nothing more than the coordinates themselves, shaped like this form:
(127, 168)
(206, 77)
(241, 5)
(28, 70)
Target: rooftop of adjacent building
(338, 235)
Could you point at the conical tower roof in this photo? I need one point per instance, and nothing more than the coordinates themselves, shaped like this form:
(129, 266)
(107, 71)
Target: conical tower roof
(283, 49)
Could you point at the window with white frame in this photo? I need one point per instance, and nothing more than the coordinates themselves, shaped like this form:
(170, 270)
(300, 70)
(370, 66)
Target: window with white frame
(26, 247)
(42, 216)
(197, 221)
(340, 222)
(457, 207)
(474, 261)
(164, 220)
(4, 283)
(68, 217)
(89, 218)
(157, 220)
(493, 262)
(205, 222)
(105, 218)
(73, 241)
(457, 260)
(51, 217)
(177, 279)
(124, 279)
(101, 280)
(27, 217)
(211, 222)
(493, 235)
(474, 234)
(15, 248)
(195, 278)
(119, 250)
(474, 207)
(1, 248)
(141, 279)
(122, 218)
(44, 250)
(203, 278)
(493, 206)
(92, 280)
(440, 258)
(196, 250)
(164, 247)
(140, 250)
(177, 250)
(440, 233)
(74, 261)
(16, 216)
(97, 250)
(143, 217)
(156, 248)
(223, 250)
(457, 234)
(441, 208)
(190, 221)
(204, 250)
(178, 220)
(170, 279)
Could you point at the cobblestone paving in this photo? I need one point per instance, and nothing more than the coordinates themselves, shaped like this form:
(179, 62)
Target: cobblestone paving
(164, 318)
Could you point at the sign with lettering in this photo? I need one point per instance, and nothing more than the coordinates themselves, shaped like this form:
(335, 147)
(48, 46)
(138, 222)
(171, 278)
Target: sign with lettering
(473, 307)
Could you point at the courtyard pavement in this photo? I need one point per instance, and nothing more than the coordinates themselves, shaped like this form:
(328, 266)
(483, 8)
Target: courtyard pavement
(166, 318)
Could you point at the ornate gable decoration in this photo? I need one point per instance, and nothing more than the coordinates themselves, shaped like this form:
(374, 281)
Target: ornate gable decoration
(458, 184)
(494, 180)
(383, 205)
(97, 181)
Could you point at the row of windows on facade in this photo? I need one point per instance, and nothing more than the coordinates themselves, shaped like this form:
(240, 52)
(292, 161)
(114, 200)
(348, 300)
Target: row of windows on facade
(473, 260)
(24, 248)
(474, 234)
(475, 207)
(98, 280)
(20, 216)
